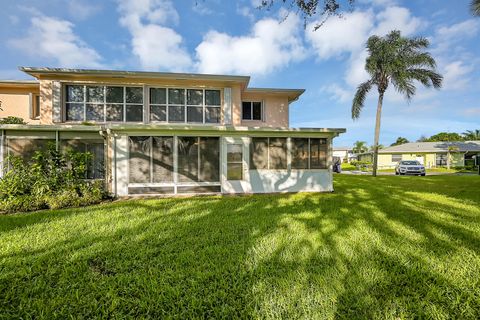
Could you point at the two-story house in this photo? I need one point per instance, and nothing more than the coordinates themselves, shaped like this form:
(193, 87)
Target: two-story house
(169, 133)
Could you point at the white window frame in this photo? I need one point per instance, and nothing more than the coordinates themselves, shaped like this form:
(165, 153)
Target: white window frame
(235, 162)
(124, 104)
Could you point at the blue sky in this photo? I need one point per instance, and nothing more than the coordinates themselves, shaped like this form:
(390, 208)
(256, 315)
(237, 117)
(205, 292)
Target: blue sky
(273, 47)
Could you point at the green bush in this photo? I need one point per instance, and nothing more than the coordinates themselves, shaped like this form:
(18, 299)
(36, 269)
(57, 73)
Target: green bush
(51, 179)
(12, 120)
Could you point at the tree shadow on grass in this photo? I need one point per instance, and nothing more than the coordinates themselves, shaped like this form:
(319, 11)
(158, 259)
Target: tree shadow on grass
(367, 251)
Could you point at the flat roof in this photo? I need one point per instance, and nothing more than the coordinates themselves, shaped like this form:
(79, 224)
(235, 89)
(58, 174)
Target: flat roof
(441, 146)
(19, 83)
(38, 72)
(293, 94)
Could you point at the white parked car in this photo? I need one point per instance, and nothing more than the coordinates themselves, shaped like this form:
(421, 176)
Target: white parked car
(409, 167)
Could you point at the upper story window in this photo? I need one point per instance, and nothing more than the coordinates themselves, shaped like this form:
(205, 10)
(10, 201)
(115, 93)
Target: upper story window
(252, 110)
(103, 103)
(184, 105)
(35, 113)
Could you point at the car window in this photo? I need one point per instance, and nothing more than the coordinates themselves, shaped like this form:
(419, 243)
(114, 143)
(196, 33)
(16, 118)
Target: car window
(410, 163)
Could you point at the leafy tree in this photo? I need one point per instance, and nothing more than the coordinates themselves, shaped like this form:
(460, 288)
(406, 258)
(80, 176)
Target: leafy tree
(471, 135)
(313, 8)
(400, 61)
(475, 8)
(423, 138)
(360, 147)
(380, 146)
(445, 136)
(399, 141)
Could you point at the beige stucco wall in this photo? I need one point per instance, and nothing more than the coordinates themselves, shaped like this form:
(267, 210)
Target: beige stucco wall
(275, 110)
(16, 103)
(46, 105)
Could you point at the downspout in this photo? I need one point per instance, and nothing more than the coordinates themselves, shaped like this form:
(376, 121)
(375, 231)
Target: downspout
(2, 151)
(104, 134)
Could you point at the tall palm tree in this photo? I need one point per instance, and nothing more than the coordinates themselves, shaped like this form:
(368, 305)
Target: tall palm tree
(400, 61)
(360, 147)
(471, 135)
(475, 7)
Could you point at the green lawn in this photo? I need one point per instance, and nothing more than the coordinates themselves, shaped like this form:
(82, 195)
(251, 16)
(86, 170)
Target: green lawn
(390, 247)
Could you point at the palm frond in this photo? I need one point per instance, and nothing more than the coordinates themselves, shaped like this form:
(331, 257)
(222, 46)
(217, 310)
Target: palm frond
(475, 8)
(359, 99)
(404, 85)
(426, 77)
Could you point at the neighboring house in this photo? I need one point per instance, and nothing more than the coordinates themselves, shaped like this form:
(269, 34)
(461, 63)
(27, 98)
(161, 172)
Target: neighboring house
(169, 133)
(343, 154)
(430, 154)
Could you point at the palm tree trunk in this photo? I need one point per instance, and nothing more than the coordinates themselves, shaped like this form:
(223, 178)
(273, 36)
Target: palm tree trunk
(377, 133)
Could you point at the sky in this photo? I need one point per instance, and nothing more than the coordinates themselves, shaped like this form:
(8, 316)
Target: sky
(275, 47)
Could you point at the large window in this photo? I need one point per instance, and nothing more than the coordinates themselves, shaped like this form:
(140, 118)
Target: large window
(268, 153)
(198, 159)
(441, 159)
(251, 110)
(103, 103)
(184, 105)
(150, 159)
(309, 153)
(234, 162)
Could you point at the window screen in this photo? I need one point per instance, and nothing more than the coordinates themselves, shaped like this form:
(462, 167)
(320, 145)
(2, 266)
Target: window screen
(299, 153)
(441, 159)
(198, 159)
(259, 153)
(234, 162)
(318, 153)
(139, 159)
(96, 165)
(25, 148)
(187, 159)
(162, 159)
(251, 110)
(277, 153)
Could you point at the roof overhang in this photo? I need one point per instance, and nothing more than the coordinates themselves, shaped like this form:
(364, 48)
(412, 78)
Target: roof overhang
(48, 73)
(292, 94)
(19, 84)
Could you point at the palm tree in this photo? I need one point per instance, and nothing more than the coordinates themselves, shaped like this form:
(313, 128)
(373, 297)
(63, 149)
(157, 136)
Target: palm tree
(475, 7)
(471, 135)
(360, 147)
(400, 61)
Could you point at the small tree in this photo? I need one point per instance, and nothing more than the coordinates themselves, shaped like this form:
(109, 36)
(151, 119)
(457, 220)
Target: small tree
(399, 141)
(471, 135)
(360, 147)
(449, 154)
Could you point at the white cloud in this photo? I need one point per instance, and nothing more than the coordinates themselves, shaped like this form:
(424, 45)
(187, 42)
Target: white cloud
(82, 10)
(456, 75)
(340, 35)
(271, 44)
(155, 45)
(54, 39)
(465, 29)
(397, 18)
(472, 112)
(338, 93)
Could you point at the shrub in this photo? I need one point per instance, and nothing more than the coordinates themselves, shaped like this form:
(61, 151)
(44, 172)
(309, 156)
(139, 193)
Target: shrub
(51, 179)
(12, 120)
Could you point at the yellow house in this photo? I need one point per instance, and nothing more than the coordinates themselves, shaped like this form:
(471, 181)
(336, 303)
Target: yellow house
(430, 154)
(169, 133)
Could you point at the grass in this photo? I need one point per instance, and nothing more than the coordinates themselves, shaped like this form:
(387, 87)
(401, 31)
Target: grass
(385, 248)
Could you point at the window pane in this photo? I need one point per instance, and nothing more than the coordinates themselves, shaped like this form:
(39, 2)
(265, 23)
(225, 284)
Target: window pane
(209, 159)
(134, 113)
(299, 153)
(96, 166)
(36, 107)
(246, 110)
(158, 113)
(115, 94)
(114, 112)
(234, 153)
(25, 148)
(75, 94)
(195, 114)
(187, 159)
(176, 96)
(212, 97)
(396, 157)
(318, 153)
(94, 94)
(259, 153)
(257, 111)
(278, 153)
(158, 95)
(75, 111)
(234, 171)
(134, 95)
(95, 112)
(162, 159)
(212, 114)
(176, 114)
(195, 97)
(139, 159)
